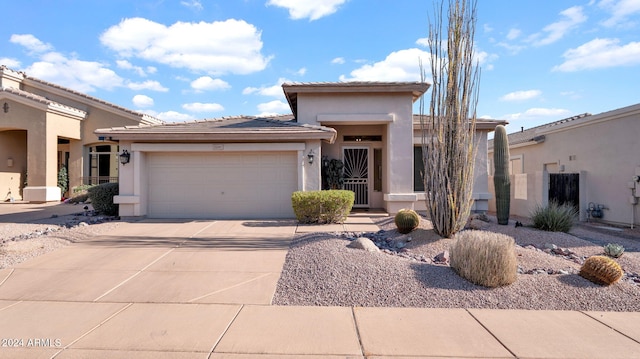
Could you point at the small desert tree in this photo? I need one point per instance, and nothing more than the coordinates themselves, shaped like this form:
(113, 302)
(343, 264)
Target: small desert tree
(448, 134)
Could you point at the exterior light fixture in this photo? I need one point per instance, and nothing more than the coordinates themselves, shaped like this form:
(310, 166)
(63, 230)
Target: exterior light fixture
(310, 156)
(9, 162)
(125, 157)
(5, 107)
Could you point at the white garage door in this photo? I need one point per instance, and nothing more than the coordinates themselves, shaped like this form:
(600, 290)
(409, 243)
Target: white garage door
(240, 185)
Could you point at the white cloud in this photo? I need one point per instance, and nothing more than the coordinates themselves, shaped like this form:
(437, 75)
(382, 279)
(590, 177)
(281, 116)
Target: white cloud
(573, 16)
(620, 12)
(273, 91)
(206, 83)
(10, 63)
(193, 4)
(83, 76)
(487, 28)
(301, 71)
(513, 34)
(312, 9)
(142, 101)
(521, 95)
(126, 65)
(338, 61)
(79, 75)
(401, 65)
(484, 59)
(219, 47)
(538, 114)
(170, 116)
(600, 53)
(30, 42)
(147, 85)
(424, 42)
(203, 107)
(272, 108)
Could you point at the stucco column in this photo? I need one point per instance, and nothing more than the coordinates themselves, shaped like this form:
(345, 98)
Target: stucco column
(42, 166)
(76, 163)
(398, 189)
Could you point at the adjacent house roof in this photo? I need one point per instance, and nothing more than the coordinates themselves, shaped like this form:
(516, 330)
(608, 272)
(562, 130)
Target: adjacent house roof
(533, 135)
(21, 77)
(238, 128)
(40, 101)
(291, 90)
(481, 123)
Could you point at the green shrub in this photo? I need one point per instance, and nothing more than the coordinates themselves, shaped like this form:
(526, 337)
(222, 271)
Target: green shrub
(614, 250)
(406, 220)
(82, 188)
(101, 197)
(63, 180)
(332, 206)
(601, 270)
(484, 258)
(79, 198)
(554, 217)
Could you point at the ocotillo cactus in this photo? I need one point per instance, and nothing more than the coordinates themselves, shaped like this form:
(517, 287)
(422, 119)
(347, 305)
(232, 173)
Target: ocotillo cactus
(501, 180)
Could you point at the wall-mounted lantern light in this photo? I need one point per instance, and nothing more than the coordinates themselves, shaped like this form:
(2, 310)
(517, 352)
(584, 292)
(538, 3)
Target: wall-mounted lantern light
(5, 107)
(310, 156)
(125, 157)
(9, 162)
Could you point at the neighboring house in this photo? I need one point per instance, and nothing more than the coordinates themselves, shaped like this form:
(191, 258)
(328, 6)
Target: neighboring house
(590, 161)
(44, 127)
(247, 167)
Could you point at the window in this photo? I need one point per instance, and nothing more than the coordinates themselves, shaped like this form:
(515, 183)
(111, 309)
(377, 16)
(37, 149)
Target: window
(418, 169)
(377, 169)
(102, 164)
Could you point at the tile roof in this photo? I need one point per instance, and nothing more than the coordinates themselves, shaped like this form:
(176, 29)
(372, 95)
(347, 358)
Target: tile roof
(226, 128)
(41, 99)
(143, 117)
(481, 123)
(533, 135)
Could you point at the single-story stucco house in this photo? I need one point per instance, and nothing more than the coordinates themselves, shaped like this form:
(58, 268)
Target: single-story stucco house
(589, 161)
(44, 127)
(247, 167)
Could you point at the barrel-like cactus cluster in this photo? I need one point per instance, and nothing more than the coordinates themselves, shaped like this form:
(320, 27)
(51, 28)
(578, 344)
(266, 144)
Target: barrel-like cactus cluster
(406, 220)
(601, 270)
(501, 179)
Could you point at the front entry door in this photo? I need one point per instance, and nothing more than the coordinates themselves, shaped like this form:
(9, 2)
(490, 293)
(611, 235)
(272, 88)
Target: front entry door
(356, 174)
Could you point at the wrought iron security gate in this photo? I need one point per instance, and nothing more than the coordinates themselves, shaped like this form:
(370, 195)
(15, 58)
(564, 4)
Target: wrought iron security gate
(356, 174)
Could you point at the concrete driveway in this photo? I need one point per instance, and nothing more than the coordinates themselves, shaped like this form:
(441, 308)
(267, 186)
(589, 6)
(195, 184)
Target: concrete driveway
(202, 289)
(150, 285)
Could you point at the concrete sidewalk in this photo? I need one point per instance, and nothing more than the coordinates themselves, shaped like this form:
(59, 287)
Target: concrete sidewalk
(202, 289)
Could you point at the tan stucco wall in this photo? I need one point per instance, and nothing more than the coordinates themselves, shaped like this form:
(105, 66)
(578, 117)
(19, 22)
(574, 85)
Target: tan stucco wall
(369, 109)
(604, 153)
(481, 193)
(45, 125)
(13, 163)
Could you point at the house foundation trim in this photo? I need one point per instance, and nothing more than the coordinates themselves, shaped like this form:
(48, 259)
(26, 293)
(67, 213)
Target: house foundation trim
(41, 194)
(394, 202)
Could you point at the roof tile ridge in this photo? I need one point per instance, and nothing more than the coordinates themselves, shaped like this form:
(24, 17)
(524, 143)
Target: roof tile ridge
(78, 93)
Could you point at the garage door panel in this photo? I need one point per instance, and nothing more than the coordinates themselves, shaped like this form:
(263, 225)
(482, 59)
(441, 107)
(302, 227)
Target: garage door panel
(221, 185)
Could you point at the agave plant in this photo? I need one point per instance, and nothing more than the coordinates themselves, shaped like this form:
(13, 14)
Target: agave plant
(614, 250)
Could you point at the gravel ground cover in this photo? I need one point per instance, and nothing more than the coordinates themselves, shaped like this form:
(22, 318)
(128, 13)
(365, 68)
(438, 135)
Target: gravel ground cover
(321, 270)
(22, 241)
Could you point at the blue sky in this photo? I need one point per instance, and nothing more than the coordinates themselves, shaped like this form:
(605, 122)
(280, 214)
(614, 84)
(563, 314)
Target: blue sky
(180, 60)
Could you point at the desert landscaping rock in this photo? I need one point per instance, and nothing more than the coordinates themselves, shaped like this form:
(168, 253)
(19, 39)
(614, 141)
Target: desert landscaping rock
(320, 270)
(364, 243)
(22, 241)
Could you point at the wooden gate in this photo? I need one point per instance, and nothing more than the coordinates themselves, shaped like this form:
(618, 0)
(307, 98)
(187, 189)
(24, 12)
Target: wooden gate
(564, 188)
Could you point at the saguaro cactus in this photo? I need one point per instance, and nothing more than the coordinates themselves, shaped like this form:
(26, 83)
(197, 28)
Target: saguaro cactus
(501, 180)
